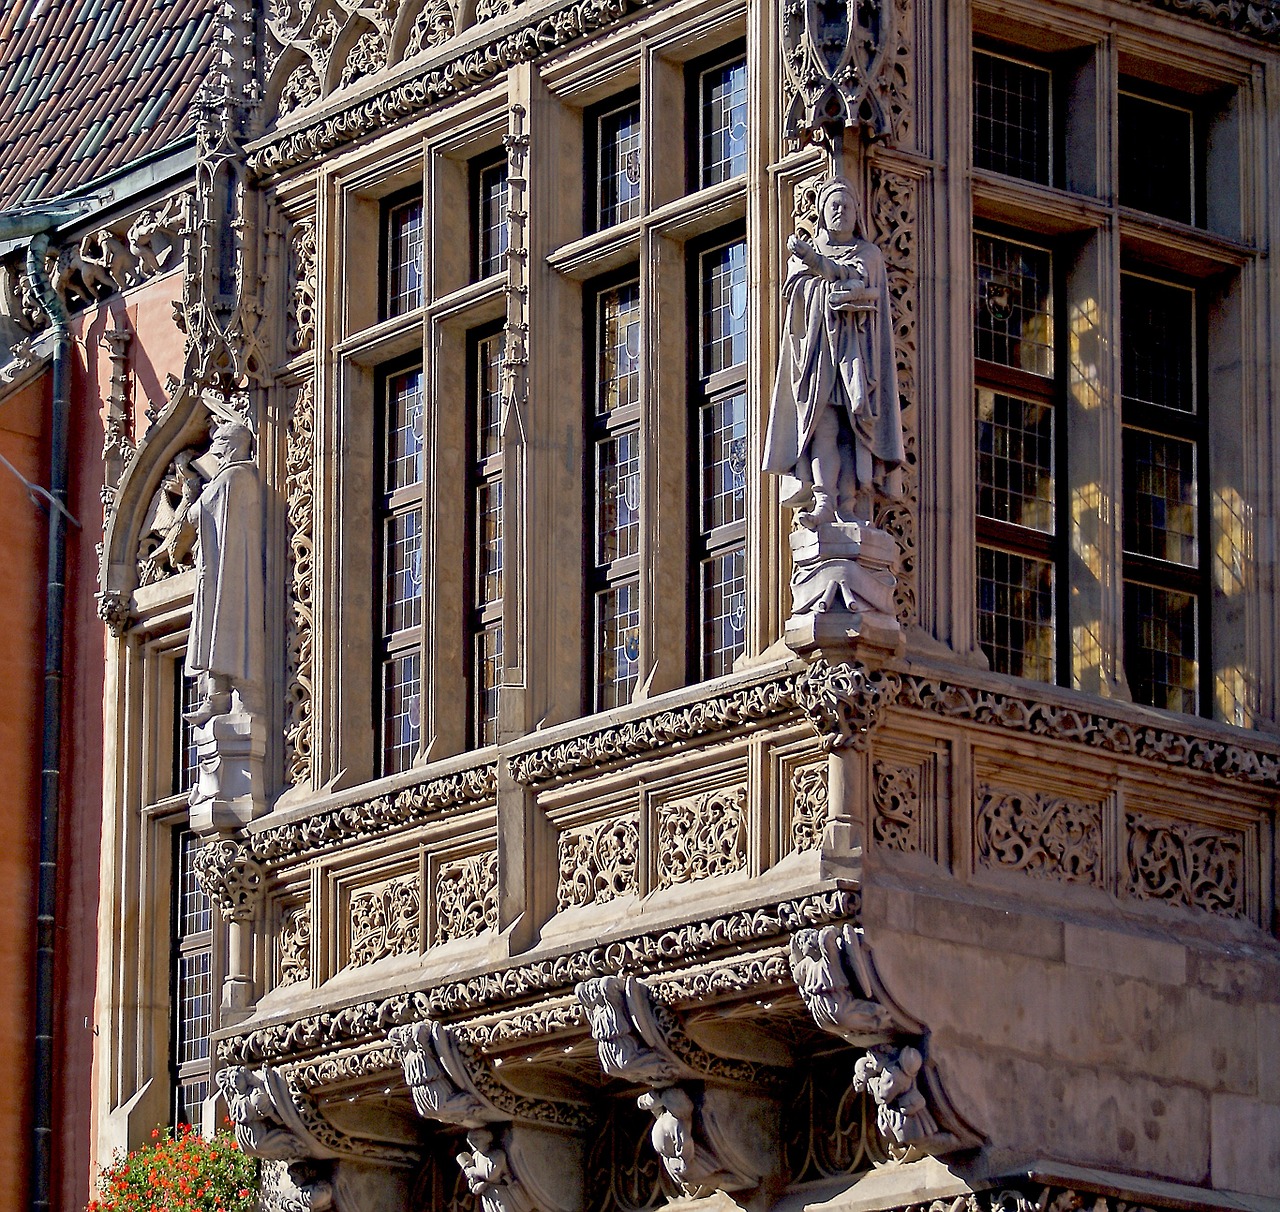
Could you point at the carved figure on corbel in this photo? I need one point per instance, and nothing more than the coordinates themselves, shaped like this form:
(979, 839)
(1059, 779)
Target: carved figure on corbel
(836, 978)
(115, 610)
(845, 702)
(710, 1134)
(523, 1154)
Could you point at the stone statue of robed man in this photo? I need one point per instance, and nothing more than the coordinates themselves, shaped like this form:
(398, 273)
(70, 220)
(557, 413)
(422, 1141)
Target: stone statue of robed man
(225, 647)
(835, 425)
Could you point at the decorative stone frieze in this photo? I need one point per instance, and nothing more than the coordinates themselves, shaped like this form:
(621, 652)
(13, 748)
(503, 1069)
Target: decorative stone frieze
(770, 701)
(1050, 836)
(646, 954)
(300, 320)
(836, 978)
(597, 862)
(230, 878)
(701, 836)
(844, 702)
(384, 921)
(1180, 863)
(300, 512)
(465, 896)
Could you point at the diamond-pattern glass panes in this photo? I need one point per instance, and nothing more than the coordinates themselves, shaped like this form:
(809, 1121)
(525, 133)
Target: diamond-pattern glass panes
(491, 219)
(1013, 307)
(724, 461)
(402, 560)
(487, 675)
(1157, 157)
(724, 611)
(404, 257)
(1015, 460)
(1015, 613)
(1011, 116)
(618, 342)
(618, 496)
(1157, 343)
(617, 644)
(1160, 647)
(724, 308)
(618, 154)
(401, 711)
(723, 93)
(1160, 497)
(404, 430)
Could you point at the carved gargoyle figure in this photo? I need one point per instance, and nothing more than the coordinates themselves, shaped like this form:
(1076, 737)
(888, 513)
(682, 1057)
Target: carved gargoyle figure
(889, 1075)
(436, 1077)
(168, 544)
(225, 649)
(672, 1136)
(834, 435)
(622, 1024)
(259, 1131)
(824, 985)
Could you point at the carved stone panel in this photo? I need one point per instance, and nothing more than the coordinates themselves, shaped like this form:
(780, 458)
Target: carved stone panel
(1039, 833)
(294, 944)
(1183, 863)
(597, 861)
(464, 895)
(299, 506)
(907, 790)
(806, 792)
(699, 836)
(384, 921)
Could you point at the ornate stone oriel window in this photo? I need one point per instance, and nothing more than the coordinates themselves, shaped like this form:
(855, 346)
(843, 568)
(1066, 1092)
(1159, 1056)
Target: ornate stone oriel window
(613, 162)
(485, 541)
(192, 983)
(721, 442)
(1105, 462)
(402, 257)
(614, 497)
(489, 211)
(398, 528)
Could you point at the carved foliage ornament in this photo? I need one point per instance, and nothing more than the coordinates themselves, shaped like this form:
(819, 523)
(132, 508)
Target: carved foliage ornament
(299, 507)
(384, 922)
(230, 878)
(701, 836)
(1042, 834)
(1179, 863)
(597, 862)
(466, 896)
(845, 702)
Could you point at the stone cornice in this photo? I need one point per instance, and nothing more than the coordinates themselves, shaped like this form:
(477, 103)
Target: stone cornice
(678, 947)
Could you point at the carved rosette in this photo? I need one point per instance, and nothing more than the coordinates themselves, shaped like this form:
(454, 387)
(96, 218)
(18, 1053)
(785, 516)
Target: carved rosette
(845, 702)
(230, 878)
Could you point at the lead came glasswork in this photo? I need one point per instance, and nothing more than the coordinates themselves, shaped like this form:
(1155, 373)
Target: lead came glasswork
(492, 228)
(1011, 117)
(619, 163)
(1160, 497)
(618, 336)
(724, 122)
(1157, 343)
(1016, 613)
(1160, 646)
(192, 978)
(1157, 157)
(486, 539)
(724, 461)
(1015, 460)
(617, 644)
(404, 431)
(403, 563)
(618, 497)
(1013, 307)
(724, 308)
(404, 258)
(401, 712)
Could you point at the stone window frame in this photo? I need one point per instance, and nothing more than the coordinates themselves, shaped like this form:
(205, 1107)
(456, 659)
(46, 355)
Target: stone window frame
(1098, 237)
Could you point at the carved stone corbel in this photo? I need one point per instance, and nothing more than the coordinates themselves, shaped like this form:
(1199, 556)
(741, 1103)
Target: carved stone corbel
(230, 878)
(523, 1154)
(115, 610)
(711, 1132)
(845, 702)
(836, 979)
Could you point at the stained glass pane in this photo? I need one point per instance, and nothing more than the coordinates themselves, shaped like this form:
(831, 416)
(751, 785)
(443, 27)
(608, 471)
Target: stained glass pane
(724, 308)
(619, 163)
(617, 644)
(724, 461)
(404, 430)
(492, 220)
(488, 587)
(1015, 460)
(1157, 343)
(489, 363)
(1160, 497)
(1156, 157)
(618, 496)
(401, 711)
(618, 340)
(1015, 613)
(1013, 307)
(404, 258)
(724, 122)
(488, 670)
(1011, 117)
(402, 562)
(724, 611)
(1160, 647)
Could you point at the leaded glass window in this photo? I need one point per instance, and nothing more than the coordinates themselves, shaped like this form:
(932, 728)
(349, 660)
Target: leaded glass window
(486, 535)
(403, 251)
(184, 742)
(1157, 156)
(721, 427)
(1013, 304)
(615, 504)
(618, 164)
(1011, 116)
(722, 141)
(192, 979)
(400, 539)
(490, 203)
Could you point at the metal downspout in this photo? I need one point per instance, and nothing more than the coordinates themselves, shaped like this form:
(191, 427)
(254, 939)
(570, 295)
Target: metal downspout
(51, 744)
